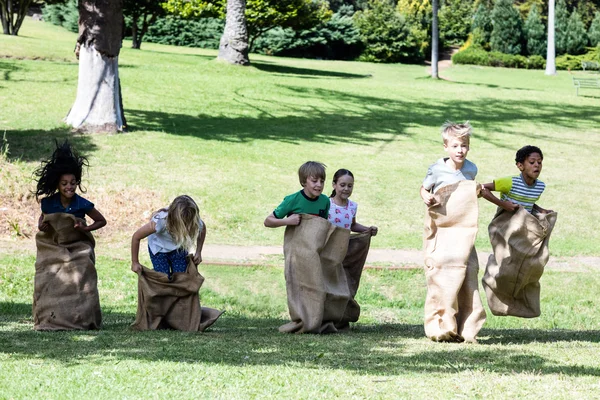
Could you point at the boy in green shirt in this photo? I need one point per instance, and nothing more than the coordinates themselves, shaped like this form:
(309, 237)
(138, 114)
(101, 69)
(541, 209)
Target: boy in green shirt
(309, 200)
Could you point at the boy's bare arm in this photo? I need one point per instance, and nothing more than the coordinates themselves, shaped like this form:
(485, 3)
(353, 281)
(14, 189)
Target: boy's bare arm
(273, 222)
(486, 193)
(427, 196)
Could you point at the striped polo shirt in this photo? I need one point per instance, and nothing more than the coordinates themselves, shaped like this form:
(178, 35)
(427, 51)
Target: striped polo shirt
(514, 188)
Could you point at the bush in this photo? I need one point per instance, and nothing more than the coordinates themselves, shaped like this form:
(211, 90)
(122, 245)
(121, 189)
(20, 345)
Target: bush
(387, 35)
(576, 35)
(508, 28)
(336, 39)
(535, 33)
(481, 28)
(594, 32)
(65, 15)
(478, 56)
(204, 32)
(573, 62)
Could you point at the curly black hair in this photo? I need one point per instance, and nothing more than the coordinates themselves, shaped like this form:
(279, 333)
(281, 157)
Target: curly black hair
(525, 151)
(64, 160)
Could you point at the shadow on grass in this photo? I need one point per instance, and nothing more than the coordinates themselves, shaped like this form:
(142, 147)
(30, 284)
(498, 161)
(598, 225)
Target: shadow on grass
(37, 144)
(7, 68)
(235, 340)
(304, 72)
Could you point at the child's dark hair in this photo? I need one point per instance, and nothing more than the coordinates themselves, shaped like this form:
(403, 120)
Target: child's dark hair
(63, 161)
(525, 151)
(338, 174)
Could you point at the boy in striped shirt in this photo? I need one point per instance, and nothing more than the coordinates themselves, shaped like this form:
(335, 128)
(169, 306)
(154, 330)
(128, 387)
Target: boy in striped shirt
(522, 190)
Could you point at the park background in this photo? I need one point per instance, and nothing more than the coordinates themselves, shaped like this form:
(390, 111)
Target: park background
(233, 139)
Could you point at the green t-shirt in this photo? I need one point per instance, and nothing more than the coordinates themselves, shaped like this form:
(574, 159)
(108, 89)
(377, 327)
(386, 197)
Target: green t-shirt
(299, 203)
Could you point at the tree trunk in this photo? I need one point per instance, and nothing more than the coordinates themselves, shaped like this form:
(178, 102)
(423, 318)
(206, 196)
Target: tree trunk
(234, 42)
(435, 40)
(134, 35)
(551, 49)
(98, 106)
(12, 14)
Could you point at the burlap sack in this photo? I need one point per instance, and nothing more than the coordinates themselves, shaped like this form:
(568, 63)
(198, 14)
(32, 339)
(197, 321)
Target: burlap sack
(520, 253)
(317, 289)
(172, 304)
(354, 262)
(65, 294)
(453, 308)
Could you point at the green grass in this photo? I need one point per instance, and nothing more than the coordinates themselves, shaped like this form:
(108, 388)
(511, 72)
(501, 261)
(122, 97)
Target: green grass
(385, 355)
(233, 138)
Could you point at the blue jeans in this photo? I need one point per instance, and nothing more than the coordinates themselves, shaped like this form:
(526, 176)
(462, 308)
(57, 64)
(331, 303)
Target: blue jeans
(168, 263)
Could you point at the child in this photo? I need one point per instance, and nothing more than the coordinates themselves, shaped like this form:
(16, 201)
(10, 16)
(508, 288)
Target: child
(519, 234)
(66, 283)
(521, 190)
(58, 179)
(342, 211)
(453, 309)
(309, 200)
(171, 234)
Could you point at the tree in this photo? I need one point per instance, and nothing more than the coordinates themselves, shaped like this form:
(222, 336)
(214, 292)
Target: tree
(12, 14)
(535, 33)
(141, 14)
(576, 35)
(98, 106)
(508, 28)
(234, 42)
(435, 39)
(454, 21)
(550, 52)
(561, 24)
(482, 27)
(594, 32)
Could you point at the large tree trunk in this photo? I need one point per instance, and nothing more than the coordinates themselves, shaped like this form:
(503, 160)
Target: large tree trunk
(234, 42)
(98, 106)
(435, 40)
(551, 49)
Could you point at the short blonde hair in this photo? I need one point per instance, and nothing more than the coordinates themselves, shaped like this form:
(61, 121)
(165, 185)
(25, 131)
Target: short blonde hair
(311, 168)
(183, 221)
(459, 131)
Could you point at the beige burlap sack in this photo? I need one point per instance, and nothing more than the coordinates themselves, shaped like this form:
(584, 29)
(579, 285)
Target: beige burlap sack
(354, 262)
(172, 304)
(520, 253)
(317, 289)
(65, 294)
(453, 308)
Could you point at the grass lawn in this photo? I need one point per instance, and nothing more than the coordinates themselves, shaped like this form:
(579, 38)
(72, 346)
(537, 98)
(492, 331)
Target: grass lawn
(233, 138)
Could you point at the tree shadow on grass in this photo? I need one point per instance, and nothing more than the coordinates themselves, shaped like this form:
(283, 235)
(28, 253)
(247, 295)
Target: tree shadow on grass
(388, 350)
(38, 144)
(305, 72)
(360, 119)
(7, 68)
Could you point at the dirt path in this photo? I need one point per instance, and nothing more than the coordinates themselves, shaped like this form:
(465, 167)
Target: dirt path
(273, 255)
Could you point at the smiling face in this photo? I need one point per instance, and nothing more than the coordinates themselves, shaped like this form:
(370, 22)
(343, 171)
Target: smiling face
(313, 187)
(67, 184)
(343, 188)
(457, 150)
(531, 167)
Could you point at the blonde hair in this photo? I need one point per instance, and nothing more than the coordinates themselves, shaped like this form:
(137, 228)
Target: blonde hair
(311, 168)
(459, 131)
(183, 221)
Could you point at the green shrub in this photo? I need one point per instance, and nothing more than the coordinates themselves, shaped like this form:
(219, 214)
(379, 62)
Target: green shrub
(455, 21)
(477, 56)
(65, 15)
(482, 27)
(576, 35)
(594, 31)
(573, 62)
(387, 34)
(535, 33)
(561, 25)
(336, 39)
(204, 32)
(508, 28)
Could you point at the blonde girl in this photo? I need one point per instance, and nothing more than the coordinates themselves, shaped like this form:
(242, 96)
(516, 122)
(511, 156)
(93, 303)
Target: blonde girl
(172, 232)
(342, 211)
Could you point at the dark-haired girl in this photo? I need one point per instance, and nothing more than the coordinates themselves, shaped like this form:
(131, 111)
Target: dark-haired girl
(342, 211)
(58, 178)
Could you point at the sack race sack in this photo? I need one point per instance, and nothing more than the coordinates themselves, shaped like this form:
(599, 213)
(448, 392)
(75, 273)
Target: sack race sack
(520, 253)
(316, 284)
(353, 264)
(65, 294)
(453, 308)
(174, 303)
